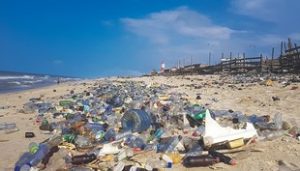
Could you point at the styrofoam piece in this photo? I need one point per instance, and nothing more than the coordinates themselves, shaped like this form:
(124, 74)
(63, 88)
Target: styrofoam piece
(214, 133)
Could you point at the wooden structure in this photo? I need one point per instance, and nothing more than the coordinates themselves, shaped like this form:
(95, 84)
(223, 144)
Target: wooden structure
(287, 62)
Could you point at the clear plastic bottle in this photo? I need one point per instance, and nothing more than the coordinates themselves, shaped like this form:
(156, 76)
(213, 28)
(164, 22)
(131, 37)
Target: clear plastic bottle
(8, 127)
(271, 135)
(82, 141)
(196, 150)
(123, 135)
(170, 145)
(135, 142)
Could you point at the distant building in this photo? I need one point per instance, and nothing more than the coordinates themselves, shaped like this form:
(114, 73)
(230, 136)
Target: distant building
(162, 67)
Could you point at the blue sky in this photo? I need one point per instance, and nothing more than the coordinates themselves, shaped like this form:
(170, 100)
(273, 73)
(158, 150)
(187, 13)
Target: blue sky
(104, 38)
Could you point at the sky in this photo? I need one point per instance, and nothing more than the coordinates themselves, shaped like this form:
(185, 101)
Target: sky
(117, 37)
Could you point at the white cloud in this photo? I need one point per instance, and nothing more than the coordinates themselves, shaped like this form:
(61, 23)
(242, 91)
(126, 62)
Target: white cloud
(182, 33)
(161, 27)
(277, 11)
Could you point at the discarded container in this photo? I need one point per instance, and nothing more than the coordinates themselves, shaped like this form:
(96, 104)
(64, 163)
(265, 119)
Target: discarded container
(200, 161)
(135, 142)
(170, 145)
(168, 160)
(82, 141)
(70, 138)
(136, 120)
(214, 133)
(271, 135)
(235, 143)
(222, 157)
(23, 164)
(8, 127)
(29, 135)
(83, 159)
(196, 150)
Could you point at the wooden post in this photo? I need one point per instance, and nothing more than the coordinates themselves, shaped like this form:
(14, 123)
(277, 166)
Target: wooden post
(222, 57)
(297, 63)
(272, 60)
(281, 49)
(261, 62)
(209, 56)
(244, 62)
(230, 62)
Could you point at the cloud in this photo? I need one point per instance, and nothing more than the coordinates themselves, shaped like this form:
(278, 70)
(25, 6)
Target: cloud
(276, 11)
(182, 33)
(161, 27)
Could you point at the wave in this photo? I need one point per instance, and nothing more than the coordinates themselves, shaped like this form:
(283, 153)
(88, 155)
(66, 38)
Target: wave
(15, 82)
(32, 82)
(8, 77)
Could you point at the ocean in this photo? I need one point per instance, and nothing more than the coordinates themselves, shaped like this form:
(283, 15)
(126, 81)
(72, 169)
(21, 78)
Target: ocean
(16, 81)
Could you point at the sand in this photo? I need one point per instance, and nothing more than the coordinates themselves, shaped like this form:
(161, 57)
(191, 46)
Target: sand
(247, 98)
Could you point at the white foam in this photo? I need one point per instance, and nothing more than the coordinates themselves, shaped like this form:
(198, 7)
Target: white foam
(15, 82)
(33, 82)
(10, 77)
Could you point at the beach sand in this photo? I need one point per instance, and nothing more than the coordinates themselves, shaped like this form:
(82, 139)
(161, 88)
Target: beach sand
(250, 98)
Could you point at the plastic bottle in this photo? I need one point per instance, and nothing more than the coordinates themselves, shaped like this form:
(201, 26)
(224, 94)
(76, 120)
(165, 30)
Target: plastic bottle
(28, 160)
(125, 153)
(198, 161)
(199, 131)
(136, 120)
(24, 162)
(277, 121)
(196, 150)
(96, 130)
(271, 135)
(135, 142)
(82, 141)
(170, 145)
(9, 127)
(83, 159)
(40, 154)
(168, 160)
(156, 135)
(154, 163)
(33, 147)
(70, 138)
(122, 135)
(110, 135)
(222, 157)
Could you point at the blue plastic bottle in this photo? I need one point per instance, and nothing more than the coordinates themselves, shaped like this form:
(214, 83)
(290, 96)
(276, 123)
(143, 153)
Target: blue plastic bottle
(28, 160)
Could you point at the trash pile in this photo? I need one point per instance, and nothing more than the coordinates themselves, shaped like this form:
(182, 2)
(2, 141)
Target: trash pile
(124, 125)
